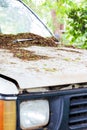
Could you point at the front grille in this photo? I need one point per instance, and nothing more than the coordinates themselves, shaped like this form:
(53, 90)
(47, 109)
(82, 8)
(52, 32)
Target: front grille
(78, 112)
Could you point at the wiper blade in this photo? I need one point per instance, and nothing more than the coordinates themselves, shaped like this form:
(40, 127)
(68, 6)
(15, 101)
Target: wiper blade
(23, 40)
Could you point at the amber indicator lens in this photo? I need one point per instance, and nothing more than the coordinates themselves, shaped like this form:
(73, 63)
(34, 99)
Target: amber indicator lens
(7, 115)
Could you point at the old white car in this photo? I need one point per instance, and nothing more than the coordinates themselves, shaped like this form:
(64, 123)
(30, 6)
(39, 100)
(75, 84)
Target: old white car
(39, 95)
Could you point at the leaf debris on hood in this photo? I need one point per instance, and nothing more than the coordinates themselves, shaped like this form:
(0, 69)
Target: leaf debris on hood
(15, 44)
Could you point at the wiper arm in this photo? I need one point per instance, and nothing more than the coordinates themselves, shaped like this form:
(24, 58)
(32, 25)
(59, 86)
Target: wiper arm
(23, 40)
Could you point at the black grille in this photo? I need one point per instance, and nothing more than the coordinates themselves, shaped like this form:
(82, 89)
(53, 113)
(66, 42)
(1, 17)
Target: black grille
(78, 113)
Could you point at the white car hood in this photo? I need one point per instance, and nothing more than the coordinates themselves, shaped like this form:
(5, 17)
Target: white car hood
(65, 66)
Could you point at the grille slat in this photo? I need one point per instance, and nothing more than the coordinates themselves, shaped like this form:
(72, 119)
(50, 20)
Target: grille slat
(79, 119)
(78, 112)
(81, 101)
(80, 126)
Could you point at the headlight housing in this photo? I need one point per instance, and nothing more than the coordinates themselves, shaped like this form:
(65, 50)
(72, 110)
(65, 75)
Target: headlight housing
(34, 114)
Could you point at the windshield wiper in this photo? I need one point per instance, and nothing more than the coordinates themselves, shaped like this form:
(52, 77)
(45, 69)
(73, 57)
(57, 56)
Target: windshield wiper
(23, 40)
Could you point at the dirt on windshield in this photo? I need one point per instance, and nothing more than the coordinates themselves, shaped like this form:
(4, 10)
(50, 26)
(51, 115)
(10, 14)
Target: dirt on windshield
(16, 43)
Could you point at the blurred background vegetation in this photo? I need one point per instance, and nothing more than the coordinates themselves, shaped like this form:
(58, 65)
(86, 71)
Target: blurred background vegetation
(66, 18)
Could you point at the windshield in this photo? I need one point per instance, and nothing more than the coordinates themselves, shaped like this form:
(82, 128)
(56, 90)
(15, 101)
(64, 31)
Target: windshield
(16, 18)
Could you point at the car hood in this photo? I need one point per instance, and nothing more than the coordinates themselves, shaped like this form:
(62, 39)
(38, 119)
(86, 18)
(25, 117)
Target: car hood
(62, 67)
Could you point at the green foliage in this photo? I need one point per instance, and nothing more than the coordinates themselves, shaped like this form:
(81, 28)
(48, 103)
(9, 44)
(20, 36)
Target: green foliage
(77, 25)
(75, 14)
(45, 8)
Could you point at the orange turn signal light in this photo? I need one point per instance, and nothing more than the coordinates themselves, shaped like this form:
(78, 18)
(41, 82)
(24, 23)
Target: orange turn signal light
(7, 115)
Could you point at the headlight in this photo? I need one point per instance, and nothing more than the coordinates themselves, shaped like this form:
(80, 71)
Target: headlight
(34, 114)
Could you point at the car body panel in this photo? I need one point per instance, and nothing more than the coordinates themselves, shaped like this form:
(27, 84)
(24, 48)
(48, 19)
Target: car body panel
(45, 72)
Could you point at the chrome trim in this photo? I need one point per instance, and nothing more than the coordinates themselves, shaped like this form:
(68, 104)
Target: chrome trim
(4, 97)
